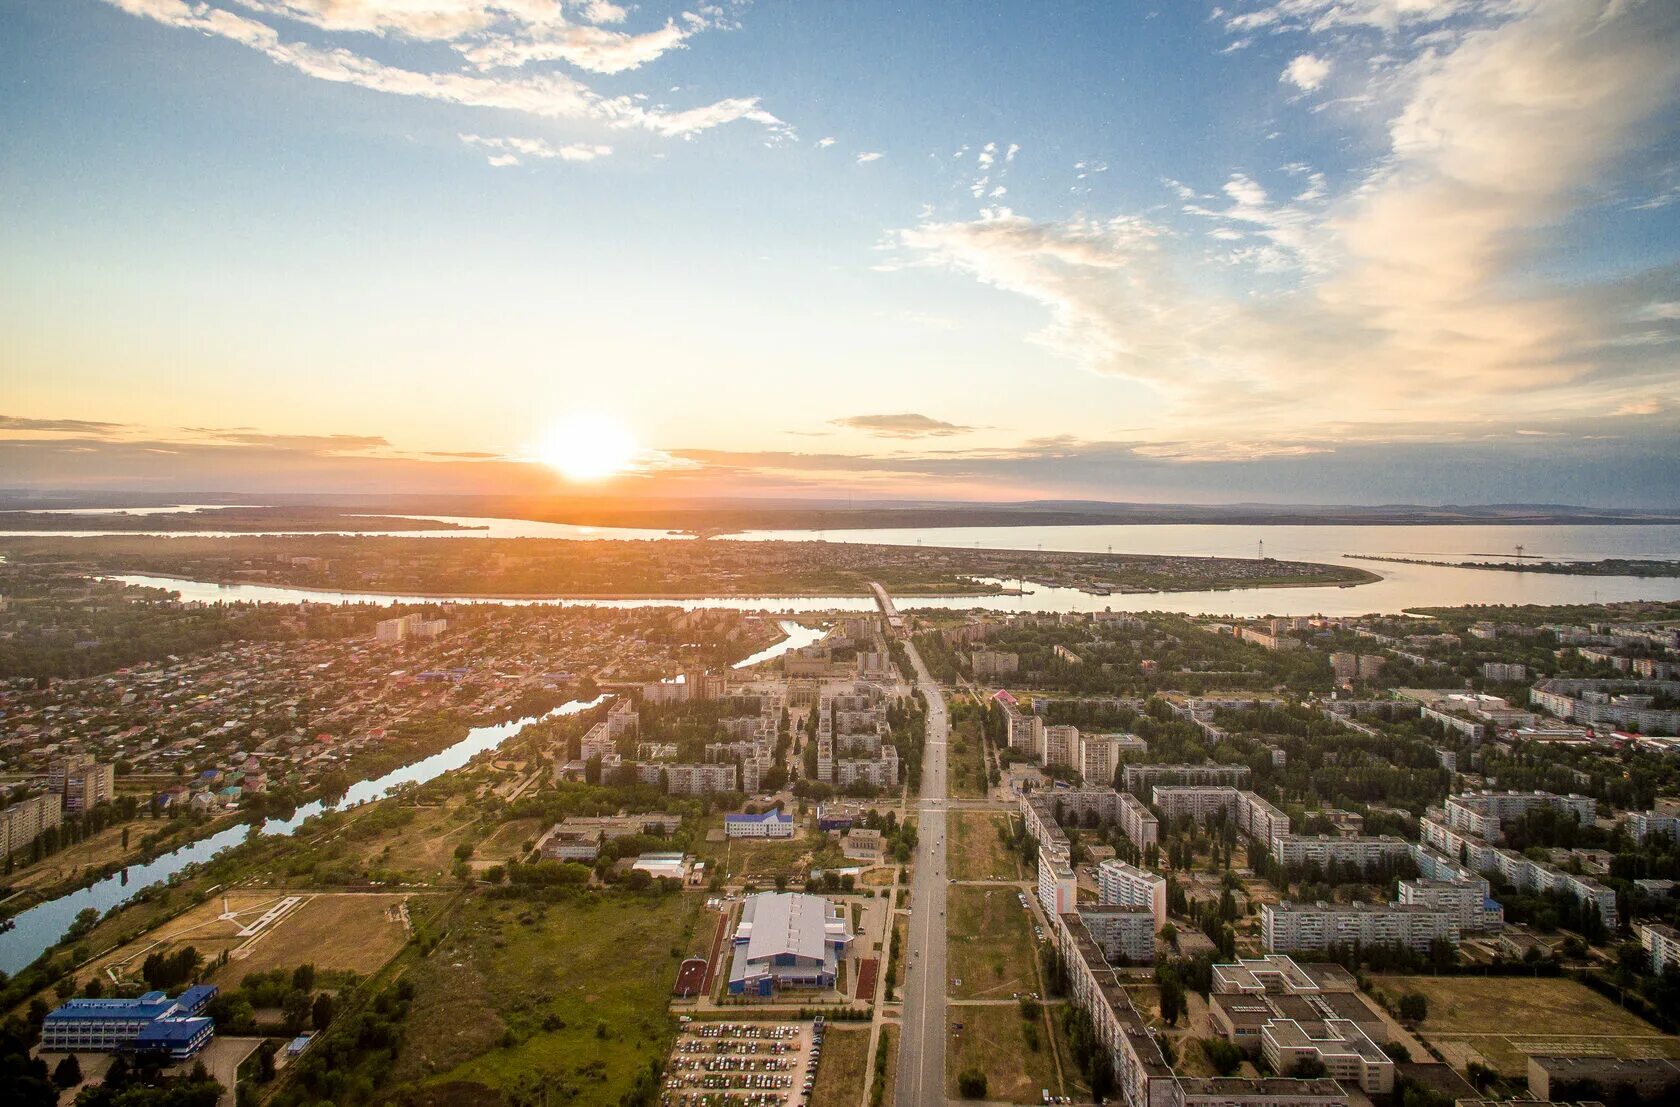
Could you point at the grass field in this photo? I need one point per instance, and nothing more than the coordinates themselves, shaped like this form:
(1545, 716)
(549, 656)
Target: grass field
(975, 851)
(990, 944)
(332, 931)
(508, 841)
(422, 849)
(201, 927)
(1502, 1020)
(845, 1063)
(993, 1040)
(103, 848)
(966, 759)
(572, 993)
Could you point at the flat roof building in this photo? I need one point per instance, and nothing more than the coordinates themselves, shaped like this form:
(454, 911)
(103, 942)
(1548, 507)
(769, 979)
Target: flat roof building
(787, 940)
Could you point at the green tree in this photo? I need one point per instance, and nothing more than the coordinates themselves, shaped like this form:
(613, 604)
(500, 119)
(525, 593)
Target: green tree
(971, 1084)
(68, 1073)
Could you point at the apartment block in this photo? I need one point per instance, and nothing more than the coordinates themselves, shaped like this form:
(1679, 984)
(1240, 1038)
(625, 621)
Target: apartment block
(1119, 883)
(1138, 822)
(1058, 893)
(1662, 942)
(27, 820)
(1138, 779)
(1125, 934)
(1290, 927)
(1322, 849)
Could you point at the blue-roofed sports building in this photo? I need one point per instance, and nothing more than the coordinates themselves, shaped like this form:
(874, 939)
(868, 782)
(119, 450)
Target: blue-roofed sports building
(151, 1022)
(771, 824)
(787, 940)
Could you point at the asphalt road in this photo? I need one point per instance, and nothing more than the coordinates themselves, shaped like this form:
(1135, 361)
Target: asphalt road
(921, 1051)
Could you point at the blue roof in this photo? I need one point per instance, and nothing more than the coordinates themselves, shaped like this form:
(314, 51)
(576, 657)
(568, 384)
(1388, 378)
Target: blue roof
(775, 816)
(195, 997)
(152, 1005)
(171, 1031)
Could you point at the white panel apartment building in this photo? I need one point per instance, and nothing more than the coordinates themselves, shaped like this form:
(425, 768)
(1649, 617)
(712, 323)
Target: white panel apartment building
(1291, 927)
(1061, 747)
(1253, 815)
(1467, 901)
(1140, 778)
(1121, 931)
(1058, 893)
(1138, 822)
(1361, 850)
(1026, 732)
(1482, 814)
(1523, 873)
(26, 820)
(1662, 943)
(1647, 824)
(1129, 886)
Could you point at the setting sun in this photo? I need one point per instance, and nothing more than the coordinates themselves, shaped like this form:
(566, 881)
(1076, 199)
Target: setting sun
(588, 446)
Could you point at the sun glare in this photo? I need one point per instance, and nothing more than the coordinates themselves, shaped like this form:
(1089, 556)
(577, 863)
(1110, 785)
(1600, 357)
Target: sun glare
(588, 446)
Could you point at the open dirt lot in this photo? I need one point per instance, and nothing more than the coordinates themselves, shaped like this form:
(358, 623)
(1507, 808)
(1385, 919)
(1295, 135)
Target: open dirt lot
(975, 851)
(1502, 1020)
(990, 944)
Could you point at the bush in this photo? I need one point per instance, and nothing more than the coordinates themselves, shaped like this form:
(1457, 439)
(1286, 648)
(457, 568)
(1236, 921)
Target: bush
(1225, 1057)
(971, 1084)
(1414, 1007)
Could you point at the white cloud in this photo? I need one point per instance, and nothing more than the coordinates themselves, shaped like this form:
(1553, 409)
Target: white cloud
(491, 34)
(510, 150)
(1415, 282)
(824, 143)
(868, 156)
(1306, 72)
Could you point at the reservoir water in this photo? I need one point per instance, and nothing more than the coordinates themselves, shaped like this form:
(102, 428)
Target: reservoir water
(44, 924)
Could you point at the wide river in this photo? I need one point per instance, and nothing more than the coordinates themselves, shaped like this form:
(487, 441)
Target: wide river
(43, 924)
(1403, 587)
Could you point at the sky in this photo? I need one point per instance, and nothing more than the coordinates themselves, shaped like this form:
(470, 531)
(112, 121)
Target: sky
(1277, 250)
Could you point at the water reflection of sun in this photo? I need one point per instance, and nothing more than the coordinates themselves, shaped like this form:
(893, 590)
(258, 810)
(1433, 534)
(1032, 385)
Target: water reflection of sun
(588, 446)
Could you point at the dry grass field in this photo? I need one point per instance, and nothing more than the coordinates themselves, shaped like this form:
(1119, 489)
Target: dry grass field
(103, 848)
(993, 1039)
(1500, 1021)
(349, 930)
(845, 1064)
(975, 850)
(989, 944)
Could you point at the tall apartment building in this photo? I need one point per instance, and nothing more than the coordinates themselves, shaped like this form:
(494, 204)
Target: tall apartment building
(1061, 747)
(1058, 894)
(1467, 901)
(1362, 850)
(1196, 801)
(82, 782)
(1139, 779)
(1648, 824)
(690, 779)
(408, 626)
(1662, 944)
(1124, 933)
(1525, 873)
(1026, 732)
(26, 820)
(1483, 814)
(1138, 822)
(1099, 757)
(985, 664)
(1290, 927)
(1129, 886)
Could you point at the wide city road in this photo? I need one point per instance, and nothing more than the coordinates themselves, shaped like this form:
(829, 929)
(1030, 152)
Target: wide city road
(921, 1051)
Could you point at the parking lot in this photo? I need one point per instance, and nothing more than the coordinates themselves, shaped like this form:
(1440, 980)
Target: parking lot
(743, 1064)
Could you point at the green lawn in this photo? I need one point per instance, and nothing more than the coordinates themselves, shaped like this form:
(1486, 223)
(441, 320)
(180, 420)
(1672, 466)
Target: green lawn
(572, 994)
(989, 944)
